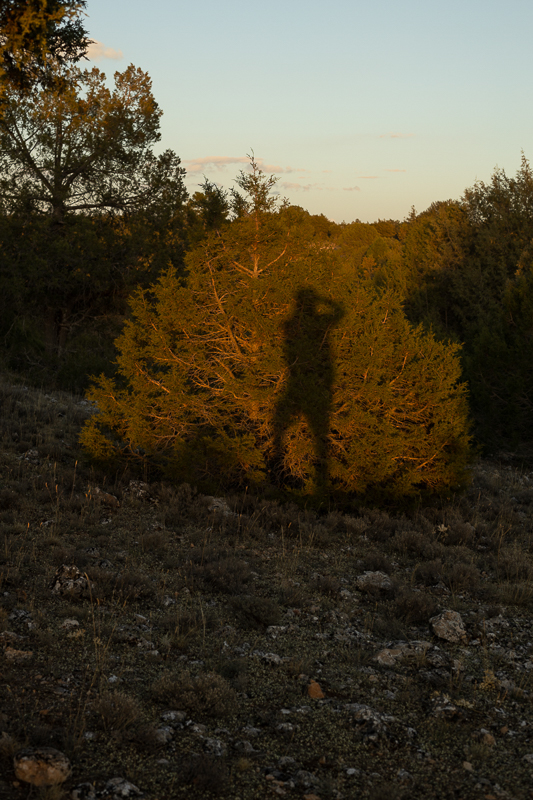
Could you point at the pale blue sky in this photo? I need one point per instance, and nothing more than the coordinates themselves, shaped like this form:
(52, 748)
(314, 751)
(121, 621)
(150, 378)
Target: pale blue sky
(362, 109)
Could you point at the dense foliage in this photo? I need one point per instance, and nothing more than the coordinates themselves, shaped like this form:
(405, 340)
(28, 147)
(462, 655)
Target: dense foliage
(35, 35)
(269, 365)
(87, 212)
(246, 291)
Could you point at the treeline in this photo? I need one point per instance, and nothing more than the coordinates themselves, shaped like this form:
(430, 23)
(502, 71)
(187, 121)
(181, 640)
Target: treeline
(101, 241)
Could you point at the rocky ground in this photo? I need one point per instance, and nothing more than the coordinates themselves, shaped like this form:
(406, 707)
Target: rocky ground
(161, 644)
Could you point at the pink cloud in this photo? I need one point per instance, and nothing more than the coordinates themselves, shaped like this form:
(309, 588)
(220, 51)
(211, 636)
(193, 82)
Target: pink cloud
(221, 162)
(212, 162)
(97, 51)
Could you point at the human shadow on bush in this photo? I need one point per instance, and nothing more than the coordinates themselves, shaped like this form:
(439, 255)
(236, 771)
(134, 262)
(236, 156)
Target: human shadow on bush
(308, 390)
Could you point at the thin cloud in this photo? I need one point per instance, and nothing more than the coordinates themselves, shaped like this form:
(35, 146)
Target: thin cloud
(299, 187)
(351, 189)
(98, 51)
(395, 170)
(221, 162)
(367, 177)
(212, 162)
(396, 135)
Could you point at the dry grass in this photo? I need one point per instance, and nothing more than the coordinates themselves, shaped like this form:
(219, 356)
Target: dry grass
(225, 619)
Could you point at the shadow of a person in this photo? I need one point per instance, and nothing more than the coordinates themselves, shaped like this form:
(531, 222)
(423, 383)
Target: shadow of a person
(308, 390)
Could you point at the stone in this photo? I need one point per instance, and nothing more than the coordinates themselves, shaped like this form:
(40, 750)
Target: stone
(448, 625)
(174, 716)
(139, 490)
(41, 766)
(215, 747)
(8, 638)
(219, 504)
(69, 581)
(105, 498)
(246, 748)
(371, 724)
(373, 581)
(164, 734)
(84, 791)
(17, 655)
(314, 691)
(118, 788)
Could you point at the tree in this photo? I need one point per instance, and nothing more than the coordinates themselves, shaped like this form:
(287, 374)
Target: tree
(81, 147)
(208, 210)
(469, 265)
(87, 209)
(35, 35)
(269, 366)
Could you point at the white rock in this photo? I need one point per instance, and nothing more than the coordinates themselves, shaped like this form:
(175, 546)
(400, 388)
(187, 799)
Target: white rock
(118, 788)
(448, 625)
(372, 581)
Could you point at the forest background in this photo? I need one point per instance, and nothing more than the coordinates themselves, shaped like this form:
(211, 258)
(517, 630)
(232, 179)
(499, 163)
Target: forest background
(90, 217)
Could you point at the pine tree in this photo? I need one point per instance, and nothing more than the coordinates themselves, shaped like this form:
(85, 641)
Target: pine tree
(269, 365)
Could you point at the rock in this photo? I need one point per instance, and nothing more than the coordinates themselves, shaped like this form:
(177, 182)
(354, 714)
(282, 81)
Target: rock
(245, 747)
(138, 489)
(373, 581)
(17, 655)
(415, 651)
(449, 626)
(41, 766)
(219, 504)
(215, 747)
(84, 791)
(21, 616)
(32, 456)
(268, 658)
(314, 691)
(8, 638)
(164, 734)
(118, 788)
(68, 580)
(306, 779)
(174, 716)
(371, 724)
(105, 498)
(69, 624)
(445, 709)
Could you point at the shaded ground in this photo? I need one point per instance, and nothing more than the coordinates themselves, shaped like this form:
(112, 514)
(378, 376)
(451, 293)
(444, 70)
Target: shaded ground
(227, 646)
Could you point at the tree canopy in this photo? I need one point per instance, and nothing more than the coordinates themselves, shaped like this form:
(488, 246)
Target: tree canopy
(36, 36)
(87, 210)
(269, 366)
(82, 147)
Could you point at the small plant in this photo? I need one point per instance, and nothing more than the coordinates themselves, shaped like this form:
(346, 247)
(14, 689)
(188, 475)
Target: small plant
(462, 577)
(327, 585)
(414, 607)
(117, 711)
(256, 612)
(207, 695)
(206, 773)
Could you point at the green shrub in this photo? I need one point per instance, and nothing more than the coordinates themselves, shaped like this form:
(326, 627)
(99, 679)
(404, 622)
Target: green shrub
(271, 366)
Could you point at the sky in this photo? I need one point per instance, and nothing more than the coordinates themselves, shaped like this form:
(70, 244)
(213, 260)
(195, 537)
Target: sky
(362, 110)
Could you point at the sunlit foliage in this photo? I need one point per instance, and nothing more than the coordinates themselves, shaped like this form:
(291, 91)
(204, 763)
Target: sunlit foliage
(269, 366)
